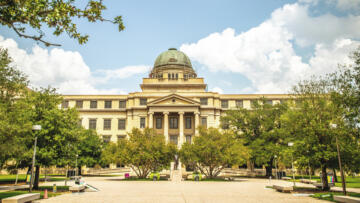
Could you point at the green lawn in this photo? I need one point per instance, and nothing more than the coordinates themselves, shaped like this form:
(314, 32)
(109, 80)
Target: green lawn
(330, 195)
(60, 190)
(351, 182)
(11, 178)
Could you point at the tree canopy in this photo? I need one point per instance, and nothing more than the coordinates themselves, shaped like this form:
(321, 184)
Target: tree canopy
(60, 15)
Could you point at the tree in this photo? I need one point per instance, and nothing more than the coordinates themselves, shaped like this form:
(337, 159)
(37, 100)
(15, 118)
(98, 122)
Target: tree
(212, 151)
(18, 15)
(260, 129)
(14, 119)
(144, 151)
(309, 124)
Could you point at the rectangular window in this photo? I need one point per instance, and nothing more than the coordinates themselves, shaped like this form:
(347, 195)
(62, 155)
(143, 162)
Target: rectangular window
(224, 104)
(122, 104)
(142, 122)
(174, 139)
(239, 103)
(106, 138)
(80, 122)
(120, 137)
(108, 104)
(269, 102)
(204, 101)
(204, 121)
(173, 123)
(79, 104)
(188, 122)
(188, 139)
(143, 101)
(107, 124)
(93, 104)
(158, 122)
(121, 124)
(65, 104)
(92, 124)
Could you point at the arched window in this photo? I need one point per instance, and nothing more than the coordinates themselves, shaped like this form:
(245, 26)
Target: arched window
(169, 75)
(173, 76)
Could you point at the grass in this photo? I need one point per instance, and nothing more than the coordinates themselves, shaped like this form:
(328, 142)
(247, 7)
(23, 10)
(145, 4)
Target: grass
(329, 196)
(60, 190)
(351, 182)
(6, 179)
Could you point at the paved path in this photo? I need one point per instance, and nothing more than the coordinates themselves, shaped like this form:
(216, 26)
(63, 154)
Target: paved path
(113, 190)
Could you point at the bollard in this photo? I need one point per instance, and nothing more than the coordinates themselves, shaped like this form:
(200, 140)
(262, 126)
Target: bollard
(54, 188)
(45, 194)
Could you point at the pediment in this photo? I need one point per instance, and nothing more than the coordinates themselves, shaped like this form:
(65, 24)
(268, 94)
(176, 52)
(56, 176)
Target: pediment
(173, 100)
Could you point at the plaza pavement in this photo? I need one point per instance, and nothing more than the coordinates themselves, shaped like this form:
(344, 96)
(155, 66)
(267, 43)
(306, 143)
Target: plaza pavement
(114, 190)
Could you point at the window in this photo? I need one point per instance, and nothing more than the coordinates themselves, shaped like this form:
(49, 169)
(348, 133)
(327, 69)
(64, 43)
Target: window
(169, 76)
(225, 125)
(239, 103)
(173, 123)
(142, 122)
(65, 104)
(158, 122)
(122, 104)
(174, 139)
(188, 122)
(224, 104)
(120, 137)
(269, 102)
(143, 101)
(92, 124)
(107, 124)
(204, 121)
(204, 101)
(188, 139)
(108, 104)
(252, 103)
(79, 104)
(80, 122)
(177, 76)
(106, 138)
(121, 124)
(93, 104)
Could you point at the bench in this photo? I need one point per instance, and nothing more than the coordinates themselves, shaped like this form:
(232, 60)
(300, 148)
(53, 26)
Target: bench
(286, 178)
(319, 185)
(22, 198)
(280, 188)
(77, 188)
(307, 181)
(347, 199)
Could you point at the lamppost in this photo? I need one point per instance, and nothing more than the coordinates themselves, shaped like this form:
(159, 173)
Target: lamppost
(77, 172)
(290, 144)
(334, 126)
(276, 171)
(34, 128)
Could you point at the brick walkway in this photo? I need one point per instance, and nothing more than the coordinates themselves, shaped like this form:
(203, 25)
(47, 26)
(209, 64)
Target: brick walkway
(113, 190)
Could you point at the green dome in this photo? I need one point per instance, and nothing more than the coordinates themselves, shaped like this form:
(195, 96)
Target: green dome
(172, 57)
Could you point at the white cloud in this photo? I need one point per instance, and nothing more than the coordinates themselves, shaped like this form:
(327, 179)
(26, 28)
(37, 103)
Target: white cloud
(124, 72)
(265, 54)
(218, 90)
(65, 70)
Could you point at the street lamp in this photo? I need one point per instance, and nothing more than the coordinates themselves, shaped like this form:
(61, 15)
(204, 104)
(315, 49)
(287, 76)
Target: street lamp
(34, 128)
(290, 144)
(334, 126)
(77, 172)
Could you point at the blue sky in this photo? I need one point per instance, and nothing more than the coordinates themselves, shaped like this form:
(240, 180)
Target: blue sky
(237, 46)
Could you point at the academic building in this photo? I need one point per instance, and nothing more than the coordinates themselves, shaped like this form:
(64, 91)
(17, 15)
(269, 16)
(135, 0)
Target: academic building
(173, 101)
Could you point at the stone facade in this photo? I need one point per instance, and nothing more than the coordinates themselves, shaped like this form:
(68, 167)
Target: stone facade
(173, 101)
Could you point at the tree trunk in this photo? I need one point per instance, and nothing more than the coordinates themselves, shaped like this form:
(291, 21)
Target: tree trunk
(79, 171)
(324, 180)
(37, 177)
(335, 176)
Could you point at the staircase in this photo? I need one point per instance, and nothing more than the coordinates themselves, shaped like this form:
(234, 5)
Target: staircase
(176, 176)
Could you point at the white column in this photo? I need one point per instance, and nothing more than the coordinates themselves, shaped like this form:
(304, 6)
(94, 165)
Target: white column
(166, 126)
(151, 122)
(197, 115)
(181, 129)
